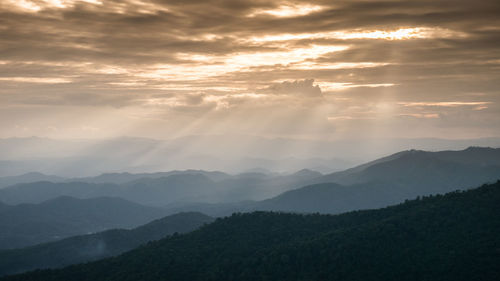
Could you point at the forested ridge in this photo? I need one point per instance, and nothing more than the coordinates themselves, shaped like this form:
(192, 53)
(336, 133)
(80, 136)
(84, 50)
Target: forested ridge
(443, 237)
(84, 248)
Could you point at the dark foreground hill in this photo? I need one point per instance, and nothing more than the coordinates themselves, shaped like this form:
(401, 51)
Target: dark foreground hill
(29, 224)
(450, 237)
(95, 246)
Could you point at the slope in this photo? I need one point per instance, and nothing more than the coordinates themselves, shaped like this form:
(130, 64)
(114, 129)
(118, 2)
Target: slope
(94, 246)
(438, 171)
(29, 224)
(451, 237)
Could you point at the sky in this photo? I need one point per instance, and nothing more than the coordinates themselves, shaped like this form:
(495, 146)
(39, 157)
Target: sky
(302, 69)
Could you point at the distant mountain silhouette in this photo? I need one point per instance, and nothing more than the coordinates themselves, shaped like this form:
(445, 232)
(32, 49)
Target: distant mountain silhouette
(176, 187)
(38, 192)
(451, 238)
(89, 247)
(306, 174)
(436, 171)
(326, 198)
(28, 224)
(383, 182)
(28, 178)
(391, 180)
(154, 189)
(121, 178)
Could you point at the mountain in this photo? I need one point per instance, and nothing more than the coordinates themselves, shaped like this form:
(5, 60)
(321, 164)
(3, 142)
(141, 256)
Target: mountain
(450, 237)
(430, 172)
(28, 224)
(153, 191)
(306, 174)
(383, 182)
(325, 198)
(332, 198)
(38, 192)
(89, 247)
(259, 186)
(28, 178)
(163, 188)
(122, 178)
(86, 158)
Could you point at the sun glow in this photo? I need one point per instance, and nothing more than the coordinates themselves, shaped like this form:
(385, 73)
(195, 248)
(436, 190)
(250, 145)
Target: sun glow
(24, 5)
(139, 6)
(330, 86)
(399, 34)
(444, 104)
(35, 6)
(40, 80)
(211, 66)
(288, 11)
(305, 65)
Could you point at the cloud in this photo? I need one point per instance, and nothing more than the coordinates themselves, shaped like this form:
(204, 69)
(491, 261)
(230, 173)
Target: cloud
(304, 88)
(200, 57)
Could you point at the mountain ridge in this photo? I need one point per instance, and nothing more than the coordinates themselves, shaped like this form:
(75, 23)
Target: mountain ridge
(444, 237)
(90, 247)
(54, 219)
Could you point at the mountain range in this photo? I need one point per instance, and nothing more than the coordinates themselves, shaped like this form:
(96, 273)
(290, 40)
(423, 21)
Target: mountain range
(392, 180)
(32, 213)
(160, 189)
(385, 181)
(50, 221)
(450, 237)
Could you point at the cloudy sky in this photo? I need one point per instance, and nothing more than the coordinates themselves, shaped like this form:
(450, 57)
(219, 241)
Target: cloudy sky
(308, 69)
